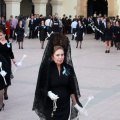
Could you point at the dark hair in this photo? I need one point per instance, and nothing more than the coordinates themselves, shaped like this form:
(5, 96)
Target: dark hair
(2, 29)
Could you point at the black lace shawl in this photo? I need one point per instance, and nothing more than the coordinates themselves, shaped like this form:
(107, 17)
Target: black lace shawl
(43, 75)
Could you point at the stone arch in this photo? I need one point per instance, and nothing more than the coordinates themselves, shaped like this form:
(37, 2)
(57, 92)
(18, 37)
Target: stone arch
(26, 7)
(97, 7)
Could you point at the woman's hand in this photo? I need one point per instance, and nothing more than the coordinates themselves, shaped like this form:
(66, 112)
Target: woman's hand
(14, 61)
(81, 110)
(52, 95)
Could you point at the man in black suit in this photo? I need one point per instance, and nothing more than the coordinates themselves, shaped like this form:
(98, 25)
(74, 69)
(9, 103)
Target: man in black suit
(69, 22)
(32, 25)
(103, 27)
(97, 25)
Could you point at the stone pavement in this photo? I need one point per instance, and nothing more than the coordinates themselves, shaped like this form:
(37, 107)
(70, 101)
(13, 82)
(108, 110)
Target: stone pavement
(97, 72)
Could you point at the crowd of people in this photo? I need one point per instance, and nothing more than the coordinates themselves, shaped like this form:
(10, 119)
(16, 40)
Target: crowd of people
(38, 26)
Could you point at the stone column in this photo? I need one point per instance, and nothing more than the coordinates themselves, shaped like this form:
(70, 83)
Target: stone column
(12, 8)
(40, 6)
(57, 7)
(111, 8)
(82, 8)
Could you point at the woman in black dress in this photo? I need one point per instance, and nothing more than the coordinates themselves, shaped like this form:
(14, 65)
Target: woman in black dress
(42, 32)
(6, 55)
(20, 34)
(117, 34)
(57, 82)
(108, 37)
(80, 33)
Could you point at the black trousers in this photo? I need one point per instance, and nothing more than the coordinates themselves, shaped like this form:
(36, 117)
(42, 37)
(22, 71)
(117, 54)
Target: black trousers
(73, 32)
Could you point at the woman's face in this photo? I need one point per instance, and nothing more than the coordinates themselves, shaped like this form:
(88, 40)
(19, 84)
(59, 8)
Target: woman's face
(117, 23)
(42, 22)
(2, 36)
(58, 56)
(20, 23)
(79, 22)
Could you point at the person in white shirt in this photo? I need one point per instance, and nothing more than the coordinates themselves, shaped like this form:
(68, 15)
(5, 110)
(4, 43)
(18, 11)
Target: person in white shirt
(49, 24)
(26, 26)
(73, 26)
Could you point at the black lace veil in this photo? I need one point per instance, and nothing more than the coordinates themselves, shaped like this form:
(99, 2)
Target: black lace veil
(39, 100)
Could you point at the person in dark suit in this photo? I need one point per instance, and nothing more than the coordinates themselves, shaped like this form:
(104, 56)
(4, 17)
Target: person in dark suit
(97, 25)
(63, 21)
(31, 26)
(102, 28)
(69, 23)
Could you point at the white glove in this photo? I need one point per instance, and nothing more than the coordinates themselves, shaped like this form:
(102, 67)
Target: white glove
(18, 64)
(52, 95)
(83, 34)
(15, 34)
(38, 35)
(3, 73)
(81, 110)
(48, 35)
(25, 34)
(75, 35)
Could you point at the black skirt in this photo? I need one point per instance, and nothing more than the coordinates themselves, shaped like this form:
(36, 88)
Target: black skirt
(7, 68)
(20, 38)
(62, 111)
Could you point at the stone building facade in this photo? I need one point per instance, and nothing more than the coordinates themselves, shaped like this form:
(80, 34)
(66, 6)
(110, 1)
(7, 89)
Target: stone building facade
(68, 7)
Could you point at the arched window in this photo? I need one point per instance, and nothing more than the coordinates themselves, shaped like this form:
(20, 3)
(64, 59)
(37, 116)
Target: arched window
(26, 7)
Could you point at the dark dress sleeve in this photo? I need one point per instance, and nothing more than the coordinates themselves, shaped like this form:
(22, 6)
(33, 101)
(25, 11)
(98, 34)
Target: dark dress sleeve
(11, 52)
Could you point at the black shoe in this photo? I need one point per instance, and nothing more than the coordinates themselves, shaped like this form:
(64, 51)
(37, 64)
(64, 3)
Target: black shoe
(5, 96)
(76, 46)
(21, 47)
(106, 51)
(80, 47)
(2, 107)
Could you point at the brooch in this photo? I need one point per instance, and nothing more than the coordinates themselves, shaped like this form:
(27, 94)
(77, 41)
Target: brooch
(8, 44)
(65, 71)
